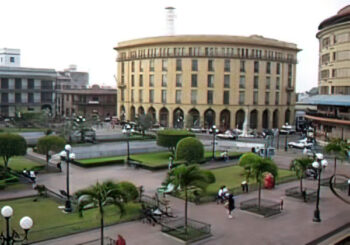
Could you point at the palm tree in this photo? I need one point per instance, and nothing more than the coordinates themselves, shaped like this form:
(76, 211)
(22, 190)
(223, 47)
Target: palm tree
(100, 195)
(299, 166)
(184, 177)
(340, 150)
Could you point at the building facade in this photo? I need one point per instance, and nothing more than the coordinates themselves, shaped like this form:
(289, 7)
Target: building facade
(202, 80)
(334, 53)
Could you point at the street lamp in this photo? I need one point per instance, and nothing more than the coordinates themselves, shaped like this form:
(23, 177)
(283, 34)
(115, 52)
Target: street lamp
(348, 187)
(68, 157)
(26, 223)
(127, 130)
(214, 130)
(318, 164)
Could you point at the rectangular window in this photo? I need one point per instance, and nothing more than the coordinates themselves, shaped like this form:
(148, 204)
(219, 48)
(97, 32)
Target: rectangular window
(163, 96)
(268, 67)
(227, 67)
(151, 80)
(141, 66)
(140, 96)
(278, 68)
(178, 80)
(210, 81)
(277, 98)
(255, 97)
(226, 81)
(132, 66)
(141, 80)
(164, 65)
(290, 71)
(241, 97)
(242, 66)
(132, 80)
(268, 82)
(277, 83)
(18, 98)
(210, 65)
(12, 59)
(18, 83)
(210, 97)
(193, 97)
(289, 98)
(30, 83)
(289, 82)
(151, 96)
(123, 67)
(242, 82)
(178, 96)
(226, 97)
(46, 97)
(122, 97)
(5, 83)
(30, 98)
(194, 80)
(256, 82)
(267, 98)
(178, 65)
(256, 66)
(164, 80)
(46, 84)
(151, 65)
(122, 79)
(132, 96)
(194, 65)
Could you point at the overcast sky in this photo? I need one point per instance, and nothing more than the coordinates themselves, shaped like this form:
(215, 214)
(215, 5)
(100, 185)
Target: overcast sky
(57, 33)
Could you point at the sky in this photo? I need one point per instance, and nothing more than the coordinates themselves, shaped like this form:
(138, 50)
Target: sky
(58, 33)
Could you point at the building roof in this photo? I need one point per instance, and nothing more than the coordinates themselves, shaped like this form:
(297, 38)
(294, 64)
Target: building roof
(90, 91)
(342, 16)
(335, 100)
(25, 71)
(255, 40)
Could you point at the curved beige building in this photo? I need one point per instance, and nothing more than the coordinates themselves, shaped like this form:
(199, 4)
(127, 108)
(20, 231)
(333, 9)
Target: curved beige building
(201, 80)
(334, 64)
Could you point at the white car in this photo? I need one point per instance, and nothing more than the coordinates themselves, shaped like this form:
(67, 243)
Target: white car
(287, 129)
(300, 145)
(227, 135)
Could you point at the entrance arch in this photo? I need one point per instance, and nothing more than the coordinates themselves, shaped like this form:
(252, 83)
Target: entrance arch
(240, 116)
(225, 120)
(275, 119)
(122, 113)
(265, 119)
(132, 114)
(209, 118)
(164, 117)
(151, 111)
(178, 118)
(141, 111)
(254, 119)
(287, 116)
(193, 119)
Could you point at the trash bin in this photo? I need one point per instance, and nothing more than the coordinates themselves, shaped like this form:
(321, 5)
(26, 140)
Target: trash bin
(269, 181)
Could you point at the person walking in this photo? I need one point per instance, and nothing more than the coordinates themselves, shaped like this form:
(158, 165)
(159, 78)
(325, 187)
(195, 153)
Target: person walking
(231, 205)
(120, 241)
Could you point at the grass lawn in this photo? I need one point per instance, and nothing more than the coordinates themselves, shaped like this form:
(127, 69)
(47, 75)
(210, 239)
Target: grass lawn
(54, 223)
(101, 159)
(19, 163)
(22, 130)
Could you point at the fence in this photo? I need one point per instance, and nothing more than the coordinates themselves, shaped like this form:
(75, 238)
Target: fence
(267, 207)
(106, 241)
(195, 231)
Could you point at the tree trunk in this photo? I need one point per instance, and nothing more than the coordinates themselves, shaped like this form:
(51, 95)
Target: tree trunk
(102, 226)
(301, 185)
(259, 196)
(185, 210)
(335, 169)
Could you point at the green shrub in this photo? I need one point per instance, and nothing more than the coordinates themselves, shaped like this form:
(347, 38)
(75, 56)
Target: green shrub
(50, 143)
(170, 137)
(130, 190)
(12, 145)
(190, 149)
(2, 186)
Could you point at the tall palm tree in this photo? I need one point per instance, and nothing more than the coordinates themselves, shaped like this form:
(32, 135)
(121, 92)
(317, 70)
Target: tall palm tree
(299, 166)
(340, 150)
(100, 195)
(257, 166)
(184, 177)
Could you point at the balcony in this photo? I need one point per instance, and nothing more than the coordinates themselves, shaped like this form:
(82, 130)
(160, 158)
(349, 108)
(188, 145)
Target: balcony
(122, 85)
(290, 88)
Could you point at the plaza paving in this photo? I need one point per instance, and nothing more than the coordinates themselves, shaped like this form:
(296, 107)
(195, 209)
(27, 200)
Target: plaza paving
(293, 226)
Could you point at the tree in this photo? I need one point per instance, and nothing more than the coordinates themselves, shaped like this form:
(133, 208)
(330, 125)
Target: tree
(12, 145)
(50, 143)
(100, 195)
(190, 149)
(246, 162)
(185, 177)
(170, 137)
(144, 122)
(340, 150)
(257, 166)
(299, 166)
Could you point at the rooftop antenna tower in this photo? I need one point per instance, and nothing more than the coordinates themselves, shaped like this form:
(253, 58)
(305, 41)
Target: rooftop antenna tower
(170, 19)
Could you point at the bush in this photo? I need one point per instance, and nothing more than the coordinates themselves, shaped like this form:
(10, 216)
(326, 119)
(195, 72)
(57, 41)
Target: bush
(12, 145)
(130, 190)
(190, 149)
(170, 137)
(50, 143)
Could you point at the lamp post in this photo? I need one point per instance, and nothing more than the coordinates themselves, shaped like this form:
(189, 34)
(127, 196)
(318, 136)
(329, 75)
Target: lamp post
(214, 130)
(26, 223)
(67, 156)
(286, 142)
(127, 130)
(348, 187)
(318, 164)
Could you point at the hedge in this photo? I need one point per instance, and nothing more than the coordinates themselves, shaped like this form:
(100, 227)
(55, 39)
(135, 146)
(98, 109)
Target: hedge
(99, 163)
(170, 137)
(189, 149)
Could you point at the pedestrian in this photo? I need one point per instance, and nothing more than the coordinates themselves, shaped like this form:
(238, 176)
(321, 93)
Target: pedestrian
(120, 241)
(244, 186)
(230, 205)
(281, 204)
(59, 166)
(303, 193)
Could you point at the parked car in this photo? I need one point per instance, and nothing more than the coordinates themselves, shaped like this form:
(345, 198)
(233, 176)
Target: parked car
(229, 135)
(89, 136)
(300, 145)
(197, 129)
(287, 129)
